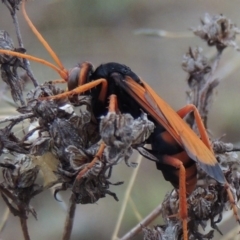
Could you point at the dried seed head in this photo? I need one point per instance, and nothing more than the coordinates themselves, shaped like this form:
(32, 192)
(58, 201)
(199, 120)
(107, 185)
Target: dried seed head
(88, 184)
(44, 90)
(230, 165)
(170, 204)
(9, 142)
(196, 64)
(9, 65)
(115, 130)
(20, 172)
(77, 157)
(217, 31)
(171, 231)
(6, 43)
(121, 132)
(19, 185)
(222, 147)
(204, 203)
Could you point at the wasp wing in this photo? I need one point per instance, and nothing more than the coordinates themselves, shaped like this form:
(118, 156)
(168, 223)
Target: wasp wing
(175, 125)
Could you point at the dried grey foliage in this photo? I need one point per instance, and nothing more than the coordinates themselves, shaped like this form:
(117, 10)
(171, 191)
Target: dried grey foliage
(217, 31)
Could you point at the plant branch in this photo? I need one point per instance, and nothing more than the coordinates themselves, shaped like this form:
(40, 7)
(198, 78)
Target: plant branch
(70, 218)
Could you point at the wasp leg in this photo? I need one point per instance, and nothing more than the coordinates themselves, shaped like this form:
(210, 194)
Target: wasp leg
(202, 130)
(113, 105)
(84, 88)
(204, 137)
(175, 162)
(91, 164)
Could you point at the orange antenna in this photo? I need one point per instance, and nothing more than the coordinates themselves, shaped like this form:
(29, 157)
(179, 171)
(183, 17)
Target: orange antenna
(62, 73)
(43, 41)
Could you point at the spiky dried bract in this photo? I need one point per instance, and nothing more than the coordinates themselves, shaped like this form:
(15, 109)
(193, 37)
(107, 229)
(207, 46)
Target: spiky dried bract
(222, 147)
(196, 64)
(88, 184)
(9, 66)
(172, 231)
(200, 81)
(204, 204)
(6, 43)
(121, 133)
(217, 31)
(10, 143)
(20, 172)
(19, 186)
(230, 164)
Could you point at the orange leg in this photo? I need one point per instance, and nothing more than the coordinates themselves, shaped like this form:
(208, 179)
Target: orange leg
(91, 164)
(112, 108)
(113, 105)
(183, 212)
(204, 136)
(202, 131)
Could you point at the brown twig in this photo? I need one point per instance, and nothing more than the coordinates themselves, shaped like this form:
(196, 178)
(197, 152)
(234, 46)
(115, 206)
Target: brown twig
(70, 218)
(23, 221)
(145, 222)
(20, 42)
(17, 118)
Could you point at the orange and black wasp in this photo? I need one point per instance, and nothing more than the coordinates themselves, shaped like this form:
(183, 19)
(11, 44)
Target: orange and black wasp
(175, 147)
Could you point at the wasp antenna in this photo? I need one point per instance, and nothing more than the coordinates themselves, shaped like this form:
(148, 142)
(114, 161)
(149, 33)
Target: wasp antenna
(35, 59)
(41, 39)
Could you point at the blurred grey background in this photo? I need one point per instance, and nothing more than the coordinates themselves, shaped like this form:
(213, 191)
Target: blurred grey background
(102, 31)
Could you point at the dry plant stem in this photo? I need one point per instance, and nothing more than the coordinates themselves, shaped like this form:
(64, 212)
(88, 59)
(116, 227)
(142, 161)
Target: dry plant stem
(17, 118)
(20, 42)
(215, 63)
(72, 203)
(23, 221)
(4, 219)
(8, 6)
(145, 222)
(125, 200)
(70, 218)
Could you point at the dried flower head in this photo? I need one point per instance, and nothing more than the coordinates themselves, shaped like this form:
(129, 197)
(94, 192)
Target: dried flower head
(85, 176)
(218, 31)
(200, 81)
(121, 133)
(9, 66)
(196, 64)
(10, 143)
(19, 186)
